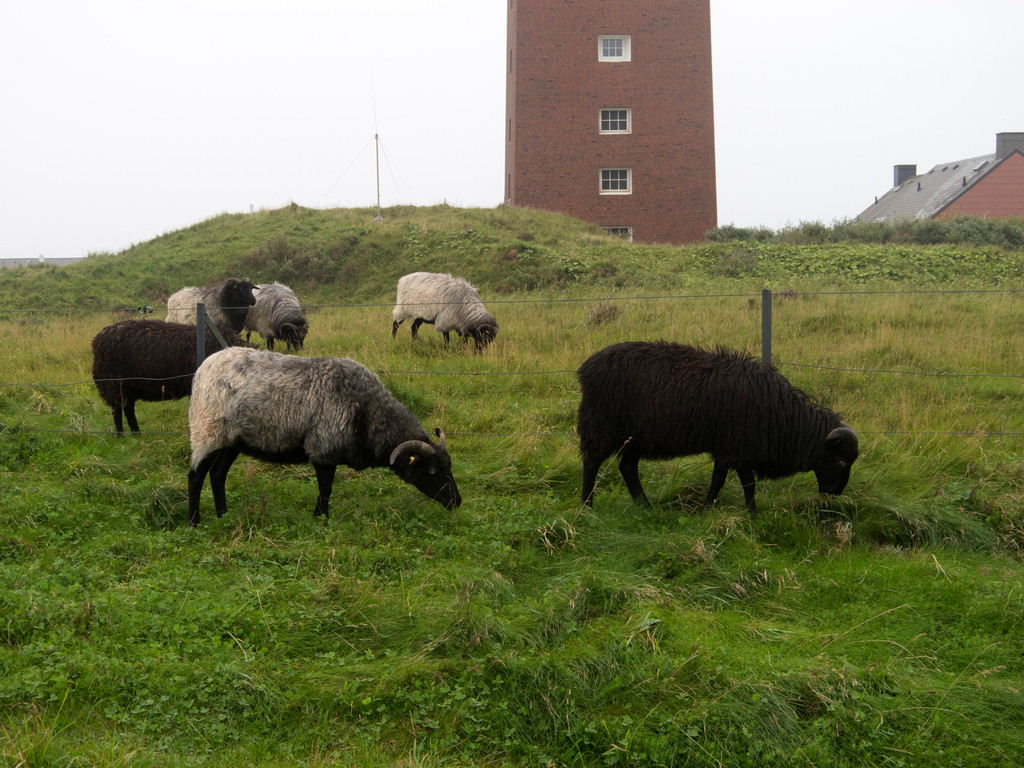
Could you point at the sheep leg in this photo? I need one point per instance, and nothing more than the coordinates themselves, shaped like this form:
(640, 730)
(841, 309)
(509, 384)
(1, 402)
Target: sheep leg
(747, 481)
(118, 420)
(446, 338)
(223, 459)
(590, 469)
(394, 327)
(270, 343)
(718, 475)
(196, 476)
(324, 482)
(629, 467)
(129, 413)
(416, 325)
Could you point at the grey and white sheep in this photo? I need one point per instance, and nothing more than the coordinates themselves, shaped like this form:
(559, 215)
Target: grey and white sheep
(146, 360)
(660, 400)
(323, 410)
(227, 303)
(449, 303)
(277, 314)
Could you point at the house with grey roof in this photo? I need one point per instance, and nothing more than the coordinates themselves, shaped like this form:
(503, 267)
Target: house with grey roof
(990, 186)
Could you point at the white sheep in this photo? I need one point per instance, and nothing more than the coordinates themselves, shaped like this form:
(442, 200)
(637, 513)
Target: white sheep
(277, 314)
(322, 410)
(449, 303)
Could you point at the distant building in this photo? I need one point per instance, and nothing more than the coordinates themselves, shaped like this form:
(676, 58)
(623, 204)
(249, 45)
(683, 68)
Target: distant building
(610, 114)
(991, 186)
(11, 263)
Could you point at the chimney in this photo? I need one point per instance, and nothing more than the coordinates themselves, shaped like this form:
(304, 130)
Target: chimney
(1007, 143)
(901, 173)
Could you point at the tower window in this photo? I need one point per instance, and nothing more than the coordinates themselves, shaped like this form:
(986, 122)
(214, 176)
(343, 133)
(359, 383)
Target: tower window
(625, 233)
(613, 48)
(616, 121)
(616, 181)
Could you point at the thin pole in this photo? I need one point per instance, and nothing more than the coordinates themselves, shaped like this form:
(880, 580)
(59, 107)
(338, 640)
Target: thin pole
(766, 326)
(376, 143)
(200, 333)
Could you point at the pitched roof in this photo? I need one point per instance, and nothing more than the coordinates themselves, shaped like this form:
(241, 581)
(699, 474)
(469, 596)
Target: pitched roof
(923, 196)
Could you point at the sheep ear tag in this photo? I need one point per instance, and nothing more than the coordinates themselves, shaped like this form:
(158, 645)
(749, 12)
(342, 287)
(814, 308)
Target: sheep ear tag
(404, 465)
(409, 452)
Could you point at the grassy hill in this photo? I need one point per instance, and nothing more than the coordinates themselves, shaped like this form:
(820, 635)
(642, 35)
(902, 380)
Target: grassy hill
(343, 256)
(880, 628)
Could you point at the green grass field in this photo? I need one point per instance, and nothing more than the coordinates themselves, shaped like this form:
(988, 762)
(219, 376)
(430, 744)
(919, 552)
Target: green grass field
(880, 628)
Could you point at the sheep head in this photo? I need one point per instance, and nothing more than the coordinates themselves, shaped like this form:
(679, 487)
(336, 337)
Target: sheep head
(483, 335)
(238, 293)
(429, 468)
(294, 334)
(840, 451)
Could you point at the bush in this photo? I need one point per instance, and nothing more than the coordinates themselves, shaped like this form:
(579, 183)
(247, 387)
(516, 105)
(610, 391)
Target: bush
(959, 230)
(732, 232)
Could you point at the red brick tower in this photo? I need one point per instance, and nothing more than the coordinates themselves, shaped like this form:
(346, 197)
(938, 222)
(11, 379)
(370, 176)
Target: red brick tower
(610, 114)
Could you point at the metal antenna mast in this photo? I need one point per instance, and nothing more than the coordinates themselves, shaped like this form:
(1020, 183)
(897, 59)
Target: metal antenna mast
(376, 143)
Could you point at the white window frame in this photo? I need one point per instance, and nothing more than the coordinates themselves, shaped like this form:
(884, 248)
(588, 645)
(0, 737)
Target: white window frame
(609, 186)
(626, 43)
(601, 120)
(624, 232)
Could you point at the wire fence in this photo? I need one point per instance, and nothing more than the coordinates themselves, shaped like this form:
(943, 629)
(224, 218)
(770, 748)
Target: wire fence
(768, 300)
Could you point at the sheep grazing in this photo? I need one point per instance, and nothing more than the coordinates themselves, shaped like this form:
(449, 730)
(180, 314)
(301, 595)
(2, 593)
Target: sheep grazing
(146, 360)
(449, 303)
(661, 400)
(323, 410)
(227, 303)
(277, 314)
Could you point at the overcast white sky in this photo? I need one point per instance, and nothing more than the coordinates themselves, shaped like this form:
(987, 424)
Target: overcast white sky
(121, 120)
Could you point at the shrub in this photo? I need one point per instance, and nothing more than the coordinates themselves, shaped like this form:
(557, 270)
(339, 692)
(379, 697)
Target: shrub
(960, 230)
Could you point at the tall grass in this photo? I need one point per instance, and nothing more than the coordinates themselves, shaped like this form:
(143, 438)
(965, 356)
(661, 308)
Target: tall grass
(882, 627)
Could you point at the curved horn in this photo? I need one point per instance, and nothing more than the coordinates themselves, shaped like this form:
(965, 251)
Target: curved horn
(440, 436)
(845, 434)
(418, 445)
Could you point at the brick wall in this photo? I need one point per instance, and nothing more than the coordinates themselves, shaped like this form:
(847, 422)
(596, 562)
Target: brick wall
(557, 87)
(999, 193)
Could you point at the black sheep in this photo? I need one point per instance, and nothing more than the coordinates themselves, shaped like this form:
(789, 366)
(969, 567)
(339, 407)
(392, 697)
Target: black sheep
(147, 360)
(227, 303)
(661, 400)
